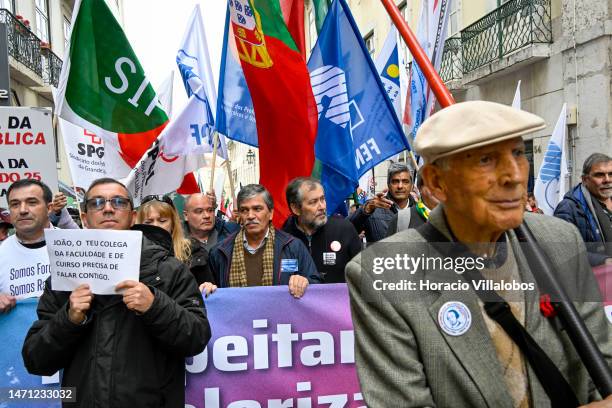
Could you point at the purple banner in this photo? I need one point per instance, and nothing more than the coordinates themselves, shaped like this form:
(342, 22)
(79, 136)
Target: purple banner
(271, 350)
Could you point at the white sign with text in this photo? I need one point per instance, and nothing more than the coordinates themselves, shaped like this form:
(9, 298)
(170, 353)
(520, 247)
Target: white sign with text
(100, 258)
(27, 147)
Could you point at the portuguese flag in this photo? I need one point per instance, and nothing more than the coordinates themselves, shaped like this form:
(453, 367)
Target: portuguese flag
(279, 84)
(103, 87)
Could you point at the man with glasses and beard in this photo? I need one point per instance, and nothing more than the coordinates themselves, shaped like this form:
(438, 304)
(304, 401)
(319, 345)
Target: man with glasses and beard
(332, 241)
(127, 349)
(589, 207)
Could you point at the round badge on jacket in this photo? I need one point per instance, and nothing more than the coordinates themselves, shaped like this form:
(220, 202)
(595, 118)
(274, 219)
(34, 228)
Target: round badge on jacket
(454, 318)
(335, 246)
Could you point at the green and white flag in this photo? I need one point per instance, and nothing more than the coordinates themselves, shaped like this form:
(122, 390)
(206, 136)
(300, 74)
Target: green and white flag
(103, 88)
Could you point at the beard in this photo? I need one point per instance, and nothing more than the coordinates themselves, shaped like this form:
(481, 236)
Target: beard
(606, 190)
(317, 222)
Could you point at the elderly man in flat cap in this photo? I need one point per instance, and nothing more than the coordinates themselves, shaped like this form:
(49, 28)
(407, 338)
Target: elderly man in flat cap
(428, 333)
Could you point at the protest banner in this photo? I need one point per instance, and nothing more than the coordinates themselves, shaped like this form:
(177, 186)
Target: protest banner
(14, 377)
(101, 258)
(27, 147)
(271, 350)
(267, 350)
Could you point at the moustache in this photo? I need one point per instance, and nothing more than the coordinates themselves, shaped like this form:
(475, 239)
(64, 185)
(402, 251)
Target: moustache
(254, 222)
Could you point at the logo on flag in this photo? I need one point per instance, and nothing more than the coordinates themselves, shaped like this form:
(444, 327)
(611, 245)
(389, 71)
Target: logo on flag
(249, 35)
(331, 95)
(358, 127)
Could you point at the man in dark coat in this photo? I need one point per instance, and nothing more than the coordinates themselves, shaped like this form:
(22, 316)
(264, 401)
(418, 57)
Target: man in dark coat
(258, 254)
(589, 207)
(418, 214)
(331, 241)
(374, 216)
(205, 231)
(129, 349)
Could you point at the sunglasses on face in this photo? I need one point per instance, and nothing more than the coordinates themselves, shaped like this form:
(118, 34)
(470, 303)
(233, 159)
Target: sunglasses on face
(98, 203)
(161, 198)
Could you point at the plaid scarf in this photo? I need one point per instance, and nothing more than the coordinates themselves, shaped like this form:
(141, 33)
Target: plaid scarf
(238, 273)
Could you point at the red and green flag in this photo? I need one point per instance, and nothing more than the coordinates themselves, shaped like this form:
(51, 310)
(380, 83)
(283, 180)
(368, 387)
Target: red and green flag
(279, 85)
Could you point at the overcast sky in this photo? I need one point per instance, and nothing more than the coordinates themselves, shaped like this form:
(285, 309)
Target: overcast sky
(155, 29)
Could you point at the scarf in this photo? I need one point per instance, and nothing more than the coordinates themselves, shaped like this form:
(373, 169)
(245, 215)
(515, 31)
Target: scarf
(238, 274)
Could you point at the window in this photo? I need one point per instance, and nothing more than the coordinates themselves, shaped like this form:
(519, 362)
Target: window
(312, 26)
(67, 30)
(42, 20)
(454, 18)
(369, 42)
(8, 4)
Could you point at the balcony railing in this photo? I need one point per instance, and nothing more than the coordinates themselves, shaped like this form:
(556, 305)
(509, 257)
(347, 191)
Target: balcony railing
(452, 64)
(25, 47)
(52, 67)
(510, 27)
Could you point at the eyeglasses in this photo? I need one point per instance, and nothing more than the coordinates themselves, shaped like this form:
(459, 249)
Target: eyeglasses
(98, 203)
(161, 198)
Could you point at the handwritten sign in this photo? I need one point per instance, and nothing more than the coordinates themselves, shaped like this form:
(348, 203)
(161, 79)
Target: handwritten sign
(100, 258)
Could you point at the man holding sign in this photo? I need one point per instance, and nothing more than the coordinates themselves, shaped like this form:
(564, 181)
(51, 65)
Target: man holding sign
(128, 349)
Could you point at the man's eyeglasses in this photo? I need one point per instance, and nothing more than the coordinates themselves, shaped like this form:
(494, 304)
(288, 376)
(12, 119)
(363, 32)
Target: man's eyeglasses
(98, 203)
(161, 198)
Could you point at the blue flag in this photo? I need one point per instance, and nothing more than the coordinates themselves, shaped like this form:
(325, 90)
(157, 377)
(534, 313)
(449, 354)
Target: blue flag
(358, 127)
(235, 113)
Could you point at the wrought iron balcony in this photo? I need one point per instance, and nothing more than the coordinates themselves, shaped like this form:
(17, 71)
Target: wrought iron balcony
(452, 63)
(25, 47)
(510, 27)
(52, 67)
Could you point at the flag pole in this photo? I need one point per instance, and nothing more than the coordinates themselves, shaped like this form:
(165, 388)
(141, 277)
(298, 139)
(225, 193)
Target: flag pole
(443, 95)
(228, 167)
(214, 160)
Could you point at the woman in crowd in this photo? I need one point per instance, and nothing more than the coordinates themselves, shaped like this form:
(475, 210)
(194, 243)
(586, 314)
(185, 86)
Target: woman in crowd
(160, 212)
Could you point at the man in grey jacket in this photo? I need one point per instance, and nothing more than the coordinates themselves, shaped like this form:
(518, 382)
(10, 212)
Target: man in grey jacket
(424, 334)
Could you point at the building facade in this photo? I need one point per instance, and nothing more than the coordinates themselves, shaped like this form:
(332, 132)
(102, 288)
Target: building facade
(559, 50)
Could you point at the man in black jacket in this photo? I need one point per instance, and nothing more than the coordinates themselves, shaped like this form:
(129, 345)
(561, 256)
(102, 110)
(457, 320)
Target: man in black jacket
(418, 214)
(589, 207)
(332, 241)
(122, 350)
(375, 215)
(204, 231)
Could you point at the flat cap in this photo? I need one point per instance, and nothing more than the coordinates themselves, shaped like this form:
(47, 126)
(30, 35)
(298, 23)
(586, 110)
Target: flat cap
(468, 125)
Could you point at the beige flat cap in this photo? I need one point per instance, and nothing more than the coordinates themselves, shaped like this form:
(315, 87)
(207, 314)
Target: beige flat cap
(467, 125)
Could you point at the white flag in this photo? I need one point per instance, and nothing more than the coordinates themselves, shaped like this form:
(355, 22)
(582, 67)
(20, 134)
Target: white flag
(387, 66)
(516, 102)
(165, 94)
(550, 185)
(194, 64)
(432, 33)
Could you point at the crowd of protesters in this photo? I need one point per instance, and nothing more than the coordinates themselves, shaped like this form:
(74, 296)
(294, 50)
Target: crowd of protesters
(202, 248)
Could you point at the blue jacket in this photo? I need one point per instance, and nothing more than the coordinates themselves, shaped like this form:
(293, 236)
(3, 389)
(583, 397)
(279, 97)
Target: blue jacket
(285, 247)
(575, 210)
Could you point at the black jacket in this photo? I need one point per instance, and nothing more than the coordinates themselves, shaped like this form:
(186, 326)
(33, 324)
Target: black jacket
(198, 265)
(574, 209)
(118, 358)
(329, 263)
(375, 225)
